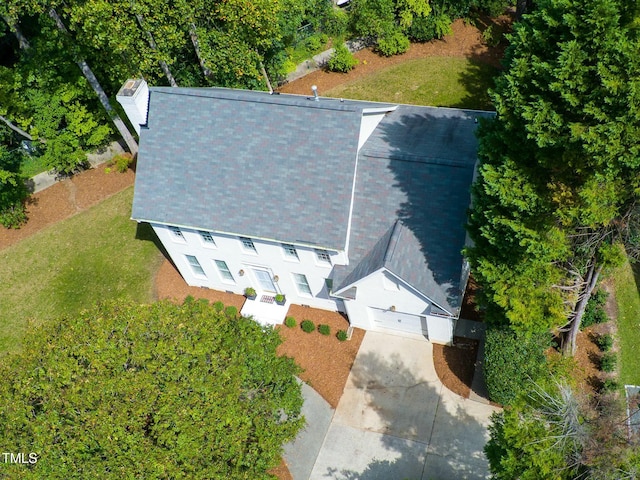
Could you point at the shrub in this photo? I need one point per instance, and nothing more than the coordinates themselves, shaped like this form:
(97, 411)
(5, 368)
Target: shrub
(341, 335)
(307, 326)
(605, 342)
(610, 385)
(231, 311)
(122, 161)
(432, 26)
(608, 362)
(342, 59)
(492, 36)
(315, 43)
(218, 306)
(392, 43)
(250, 292)
(511, 360)
(13, 216)
(279, 298)
(324, 329)
(594, 313)
(290, 322)
(336, 24)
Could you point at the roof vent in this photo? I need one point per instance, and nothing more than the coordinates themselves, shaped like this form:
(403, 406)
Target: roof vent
(315, 93)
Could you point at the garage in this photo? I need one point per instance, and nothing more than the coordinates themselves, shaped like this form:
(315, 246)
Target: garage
(405, 322)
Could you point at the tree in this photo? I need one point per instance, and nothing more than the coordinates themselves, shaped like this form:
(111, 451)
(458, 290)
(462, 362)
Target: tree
(12, 188)
(559, 177)
(550, 432)
(149, 391)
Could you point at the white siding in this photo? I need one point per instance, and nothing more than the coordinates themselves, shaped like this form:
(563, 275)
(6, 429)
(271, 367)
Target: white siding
(382, 290)
(269, 255)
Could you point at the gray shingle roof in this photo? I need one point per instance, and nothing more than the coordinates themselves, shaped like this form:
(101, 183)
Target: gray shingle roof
(271, 166)
(412, 192)
(282, 167)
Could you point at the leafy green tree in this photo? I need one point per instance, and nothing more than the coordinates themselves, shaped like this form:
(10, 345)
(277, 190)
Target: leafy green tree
(12, 188)
(559, 176)
(149, 391)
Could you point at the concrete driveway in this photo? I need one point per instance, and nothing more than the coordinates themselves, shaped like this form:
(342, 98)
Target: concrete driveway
(397, 421)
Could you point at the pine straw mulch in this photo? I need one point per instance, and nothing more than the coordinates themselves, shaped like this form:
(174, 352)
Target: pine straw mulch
(66, 198)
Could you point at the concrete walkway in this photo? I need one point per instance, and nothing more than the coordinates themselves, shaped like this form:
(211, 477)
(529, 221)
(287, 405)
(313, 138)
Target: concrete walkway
(397, 421)
(301, 454)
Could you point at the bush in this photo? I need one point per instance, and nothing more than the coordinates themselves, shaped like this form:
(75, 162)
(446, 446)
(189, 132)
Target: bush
(122, 161)
(13, 216)
(324, 329)
(218, 306)
(231, 311)
(605, 342)
(511, 360)
(336, 24)
(249, 292)
(610, 385)
(342, 59)
(341, 335)
(316, 43)
(290, 322)
(492, 36)
(392, 43)
(608, 362)
(594, 313)
(307, 326)
(427, 28)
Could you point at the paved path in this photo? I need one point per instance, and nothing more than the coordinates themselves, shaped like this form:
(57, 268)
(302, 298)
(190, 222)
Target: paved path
(396, 420)
(301, 454)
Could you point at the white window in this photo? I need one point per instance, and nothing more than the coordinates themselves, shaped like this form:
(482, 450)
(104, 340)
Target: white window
(302, 284)
(323, 256)
(207, 239)
(225, 273)
(176, 233)
(290, 251)
(247, 244)
(196, 268)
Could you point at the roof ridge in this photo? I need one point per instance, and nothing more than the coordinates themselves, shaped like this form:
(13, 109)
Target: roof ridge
(264, 97)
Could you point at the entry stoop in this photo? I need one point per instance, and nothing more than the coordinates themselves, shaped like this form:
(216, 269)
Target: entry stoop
(265, 310)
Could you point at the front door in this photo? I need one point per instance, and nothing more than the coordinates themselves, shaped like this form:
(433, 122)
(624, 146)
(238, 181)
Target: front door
(264, 279)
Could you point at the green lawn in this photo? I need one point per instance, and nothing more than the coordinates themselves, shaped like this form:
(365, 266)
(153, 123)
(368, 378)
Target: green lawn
(434, 81)
(628, 300)
(98, 254)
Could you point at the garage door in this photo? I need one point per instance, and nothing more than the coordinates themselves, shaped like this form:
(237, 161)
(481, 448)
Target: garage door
(399, 321)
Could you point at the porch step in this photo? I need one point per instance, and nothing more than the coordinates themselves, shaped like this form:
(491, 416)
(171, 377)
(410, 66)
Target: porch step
(265, 312)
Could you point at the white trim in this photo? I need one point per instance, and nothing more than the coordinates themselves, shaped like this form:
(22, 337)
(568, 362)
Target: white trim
(414, 290)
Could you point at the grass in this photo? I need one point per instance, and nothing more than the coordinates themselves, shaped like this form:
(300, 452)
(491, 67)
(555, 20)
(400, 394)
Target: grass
(96, 255)
(435, 81)
(628, 300)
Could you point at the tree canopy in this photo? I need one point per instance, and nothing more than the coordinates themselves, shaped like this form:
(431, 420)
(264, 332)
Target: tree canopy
(152, 391)
(559, 176)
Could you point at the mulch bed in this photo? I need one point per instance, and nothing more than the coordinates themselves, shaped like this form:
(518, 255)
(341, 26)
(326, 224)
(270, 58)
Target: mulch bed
(465, 41)
(455, 365)
(66, 198)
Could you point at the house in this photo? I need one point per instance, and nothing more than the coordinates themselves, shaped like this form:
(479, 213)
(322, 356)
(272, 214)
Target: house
(351, 206)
